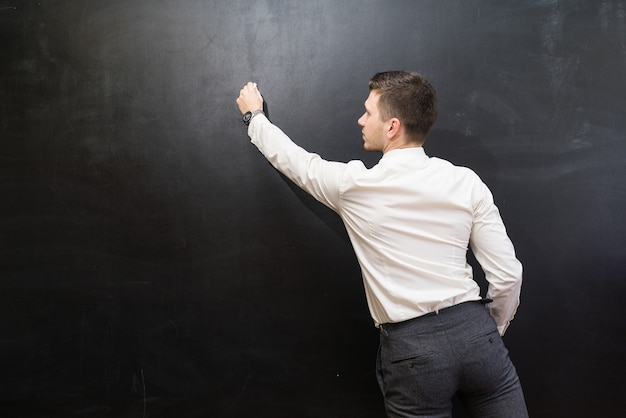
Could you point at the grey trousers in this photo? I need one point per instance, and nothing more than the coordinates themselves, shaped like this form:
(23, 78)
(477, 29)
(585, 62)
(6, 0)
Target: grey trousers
(422, 363)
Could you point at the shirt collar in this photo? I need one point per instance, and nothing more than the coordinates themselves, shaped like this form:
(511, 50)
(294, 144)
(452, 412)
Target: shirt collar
(414, 154)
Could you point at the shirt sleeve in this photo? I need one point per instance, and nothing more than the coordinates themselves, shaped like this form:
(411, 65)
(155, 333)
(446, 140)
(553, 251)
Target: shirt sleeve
(494, 251)
(318, 177)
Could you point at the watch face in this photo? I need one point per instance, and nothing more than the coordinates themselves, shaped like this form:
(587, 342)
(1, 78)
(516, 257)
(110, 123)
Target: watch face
(247, 116)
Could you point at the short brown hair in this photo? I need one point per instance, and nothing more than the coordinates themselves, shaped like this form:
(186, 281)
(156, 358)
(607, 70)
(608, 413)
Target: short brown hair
(409, 97)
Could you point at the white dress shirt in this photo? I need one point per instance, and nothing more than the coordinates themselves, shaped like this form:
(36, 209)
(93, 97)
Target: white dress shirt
(410, 219)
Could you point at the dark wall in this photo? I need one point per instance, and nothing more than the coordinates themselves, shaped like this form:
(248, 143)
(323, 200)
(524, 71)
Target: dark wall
(152, 263)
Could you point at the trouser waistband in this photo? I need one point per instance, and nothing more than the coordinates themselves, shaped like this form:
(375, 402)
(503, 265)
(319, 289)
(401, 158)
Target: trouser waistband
(444, 311)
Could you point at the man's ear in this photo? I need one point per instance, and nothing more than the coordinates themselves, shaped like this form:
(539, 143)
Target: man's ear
(393, 128)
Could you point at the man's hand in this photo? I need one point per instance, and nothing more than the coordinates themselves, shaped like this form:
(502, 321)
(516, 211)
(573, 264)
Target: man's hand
(249, 98)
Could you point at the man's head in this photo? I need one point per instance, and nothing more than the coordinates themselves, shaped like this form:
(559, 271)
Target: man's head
(410, 98)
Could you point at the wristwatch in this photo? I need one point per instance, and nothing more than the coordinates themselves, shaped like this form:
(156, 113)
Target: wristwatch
(247, 117)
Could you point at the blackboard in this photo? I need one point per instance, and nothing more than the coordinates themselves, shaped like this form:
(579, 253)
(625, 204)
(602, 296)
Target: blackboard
(153, 264)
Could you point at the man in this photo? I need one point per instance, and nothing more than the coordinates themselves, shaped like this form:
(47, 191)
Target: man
(410, 219)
